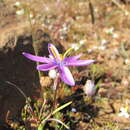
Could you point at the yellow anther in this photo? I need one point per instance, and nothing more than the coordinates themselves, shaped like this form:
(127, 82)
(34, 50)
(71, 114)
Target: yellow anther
(65, 54)
(53, 52)
(61, 56)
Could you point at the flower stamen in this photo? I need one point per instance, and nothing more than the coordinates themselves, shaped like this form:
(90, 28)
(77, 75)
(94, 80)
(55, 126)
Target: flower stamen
(65, 54)
(56, 56)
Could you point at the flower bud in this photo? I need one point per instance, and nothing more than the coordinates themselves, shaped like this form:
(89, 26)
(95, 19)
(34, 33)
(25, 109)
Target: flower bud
(89, 88)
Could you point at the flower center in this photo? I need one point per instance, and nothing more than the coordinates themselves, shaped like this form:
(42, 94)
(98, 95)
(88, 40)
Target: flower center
(59, 58)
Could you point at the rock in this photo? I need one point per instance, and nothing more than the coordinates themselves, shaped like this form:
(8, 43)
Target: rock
(15, 68)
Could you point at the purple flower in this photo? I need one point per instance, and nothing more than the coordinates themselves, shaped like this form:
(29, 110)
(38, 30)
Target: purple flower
(58, 62)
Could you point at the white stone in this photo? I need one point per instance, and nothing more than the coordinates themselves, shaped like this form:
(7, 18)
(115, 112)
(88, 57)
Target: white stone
(104, 41)
(124, 113)
(73, 110)
(115, 35)
(52, 74)
(127, 61)
(102, 47)
(75, 46)
(82, 42)
(20, 12)
(31, 15)
(110, 30)
(17, 4)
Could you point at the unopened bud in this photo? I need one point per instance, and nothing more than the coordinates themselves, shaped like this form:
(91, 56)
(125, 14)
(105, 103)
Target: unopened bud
(89, 88)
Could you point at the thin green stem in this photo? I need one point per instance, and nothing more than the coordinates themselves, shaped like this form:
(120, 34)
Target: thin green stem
(33, 38)
(55, 90)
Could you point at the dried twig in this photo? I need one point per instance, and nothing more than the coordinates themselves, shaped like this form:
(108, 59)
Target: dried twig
(91, 8)
(121, 7)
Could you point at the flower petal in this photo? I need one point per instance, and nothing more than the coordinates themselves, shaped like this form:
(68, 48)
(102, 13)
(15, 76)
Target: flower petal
(46, 67)
(71, 58)
(66, 75)
(53, 51)
(79, 62)
(37, 58)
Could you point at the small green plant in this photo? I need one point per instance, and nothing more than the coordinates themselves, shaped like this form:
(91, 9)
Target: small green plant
(96, 71)
(36, 115)
(41, 113)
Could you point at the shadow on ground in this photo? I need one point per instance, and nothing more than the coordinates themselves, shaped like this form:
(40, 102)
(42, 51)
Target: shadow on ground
(18, 70)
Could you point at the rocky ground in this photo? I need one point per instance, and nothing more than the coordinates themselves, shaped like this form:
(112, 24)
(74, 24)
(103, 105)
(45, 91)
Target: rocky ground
(100, 30)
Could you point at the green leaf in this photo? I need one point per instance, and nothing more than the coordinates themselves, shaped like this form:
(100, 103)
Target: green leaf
(40, 127)
(61, 107)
